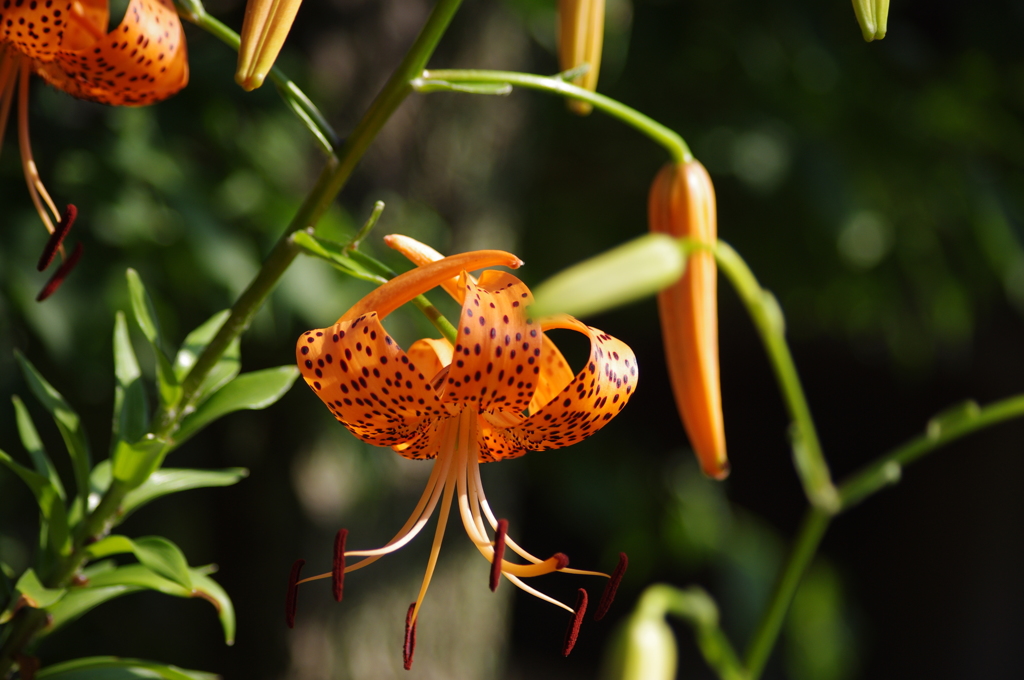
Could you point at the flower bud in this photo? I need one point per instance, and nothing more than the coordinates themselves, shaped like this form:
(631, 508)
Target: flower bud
(264, 29)
(682, 203)
(642, 649)
(580, 36)
(873, 17)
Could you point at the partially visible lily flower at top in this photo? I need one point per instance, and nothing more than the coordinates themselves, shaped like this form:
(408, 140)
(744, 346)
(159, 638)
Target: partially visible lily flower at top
(140, 62)
(504, 389)
(264, 29)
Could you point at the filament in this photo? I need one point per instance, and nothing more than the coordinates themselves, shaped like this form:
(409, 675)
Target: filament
(35, 185)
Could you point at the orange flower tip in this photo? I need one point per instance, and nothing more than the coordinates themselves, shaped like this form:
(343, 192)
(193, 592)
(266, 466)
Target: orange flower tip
(338, 571)
(62, 273)
(57, 237)
(608, 596)
(573, 631)
(561, 561)
(499, 553)
(292, 599)
(409, 645)
(718, 471)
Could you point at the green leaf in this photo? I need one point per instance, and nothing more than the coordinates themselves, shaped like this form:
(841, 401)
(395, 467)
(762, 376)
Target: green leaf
(116, 668)
(70, 426)
(51, 505)
(6, 584)
(131, 408)
(336, 254)
(134, 463)
(254, 391)
(34, 445)
(169, 480)
(35, 594)
(155, 552)
(226, 368)
(145, 317)
(79, 601)
(210, 590)
(956, 416)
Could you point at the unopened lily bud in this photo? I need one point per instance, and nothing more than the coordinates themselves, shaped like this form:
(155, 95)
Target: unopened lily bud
(873, 17)
(264, 29)
(682, 203)
(580, 37)
(644, 648)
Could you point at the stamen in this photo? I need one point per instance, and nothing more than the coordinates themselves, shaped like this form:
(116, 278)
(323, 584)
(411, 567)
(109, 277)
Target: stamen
(35, 185)
(57, 237)
(536, 593)
(611, 587)
(8, 80)
(338, 572)
(409, 646)
(58, 276)
(291, 600)
(499, 553)
(573, 631)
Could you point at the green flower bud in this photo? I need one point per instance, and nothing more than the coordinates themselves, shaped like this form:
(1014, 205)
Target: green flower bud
(642, 649)
(873, 17)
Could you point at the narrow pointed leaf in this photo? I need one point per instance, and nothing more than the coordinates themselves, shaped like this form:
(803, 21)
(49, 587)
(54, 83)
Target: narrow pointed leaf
(50, 505)
(70, 426)
(131, 408)
(157, 553)
(254, 391)
(134, 463)
(79, 601)
(99, 481)
(116, 668)
(210, 590)
(34, 446)
(169, 480)
(226, 368)
(336, 254)
(37, 595)
(145, 317)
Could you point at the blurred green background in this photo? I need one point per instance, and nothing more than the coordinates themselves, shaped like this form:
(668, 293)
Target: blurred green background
(877, 189)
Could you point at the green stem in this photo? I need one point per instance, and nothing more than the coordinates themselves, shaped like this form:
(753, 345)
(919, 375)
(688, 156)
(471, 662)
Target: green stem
(886, 470)
(767, 316)
(804, 548)
(433, 81)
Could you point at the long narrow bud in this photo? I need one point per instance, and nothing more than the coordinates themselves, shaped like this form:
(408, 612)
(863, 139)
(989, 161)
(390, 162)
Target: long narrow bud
(580, 38)
(264, 29)
(682, 203)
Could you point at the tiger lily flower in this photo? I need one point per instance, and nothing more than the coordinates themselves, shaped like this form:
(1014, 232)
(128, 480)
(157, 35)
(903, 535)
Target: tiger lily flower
(682, 203)
(580, 39)
(140, 62)
(503, 389)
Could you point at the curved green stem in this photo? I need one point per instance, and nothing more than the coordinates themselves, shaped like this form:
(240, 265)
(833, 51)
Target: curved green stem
(443, 80)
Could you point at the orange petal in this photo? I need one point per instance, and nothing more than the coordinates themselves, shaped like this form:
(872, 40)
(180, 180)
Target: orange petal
(682, 203)
(580, 37)
(586, 404)
(404, 287)
(430, 355)
(142, 61)
(497, 356)
(39, 28)
(420, 254)
(554, 375)
(369, 383)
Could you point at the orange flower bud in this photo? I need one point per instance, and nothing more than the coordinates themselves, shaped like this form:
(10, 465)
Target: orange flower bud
(682, 203)
(580, 37)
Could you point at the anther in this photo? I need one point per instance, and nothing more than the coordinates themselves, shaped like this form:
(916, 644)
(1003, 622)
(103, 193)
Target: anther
(291, 600)
(611, 587)
(62, 273)
(573, 631)
(499, 553)
(57, 237)
(561, 561)
(338, 571)
(410, 637)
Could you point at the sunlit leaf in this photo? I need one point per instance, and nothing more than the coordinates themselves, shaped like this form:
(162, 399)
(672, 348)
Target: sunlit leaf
(70, 427)
(116, 668)
(210, 590)
(35, 594)
(51, 505)
(131, 408)
(227, 366)
(134, 463)
(155, 552)
(169, 480)
(145, 317)
(254, 391)
(34, 446)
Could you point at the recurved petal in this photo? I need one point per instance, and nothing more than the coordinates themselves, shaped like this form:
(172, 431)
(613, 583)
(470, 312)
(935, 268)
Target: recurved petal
(554, 374)
(142, 61)
(497, 355)
(431, 356)
(38, 29)
(368, 382)
(586, 404)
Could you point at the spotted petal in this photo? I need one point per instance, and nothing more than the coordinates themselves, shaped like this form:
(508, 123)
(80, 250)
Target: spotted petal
(586, 404)
(39, 28)
(142, 61)
(497, 354)
(369, 384)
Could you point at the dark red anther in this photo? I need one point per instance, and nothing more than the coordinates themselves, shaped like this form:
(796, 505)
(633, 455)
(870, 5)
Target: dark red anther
(57, 237)
(410, 638)
(499, 553)
(338, 572)
(561, 561)
(608, 596)
(573, 631)
(291, 602)
(58, 276)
